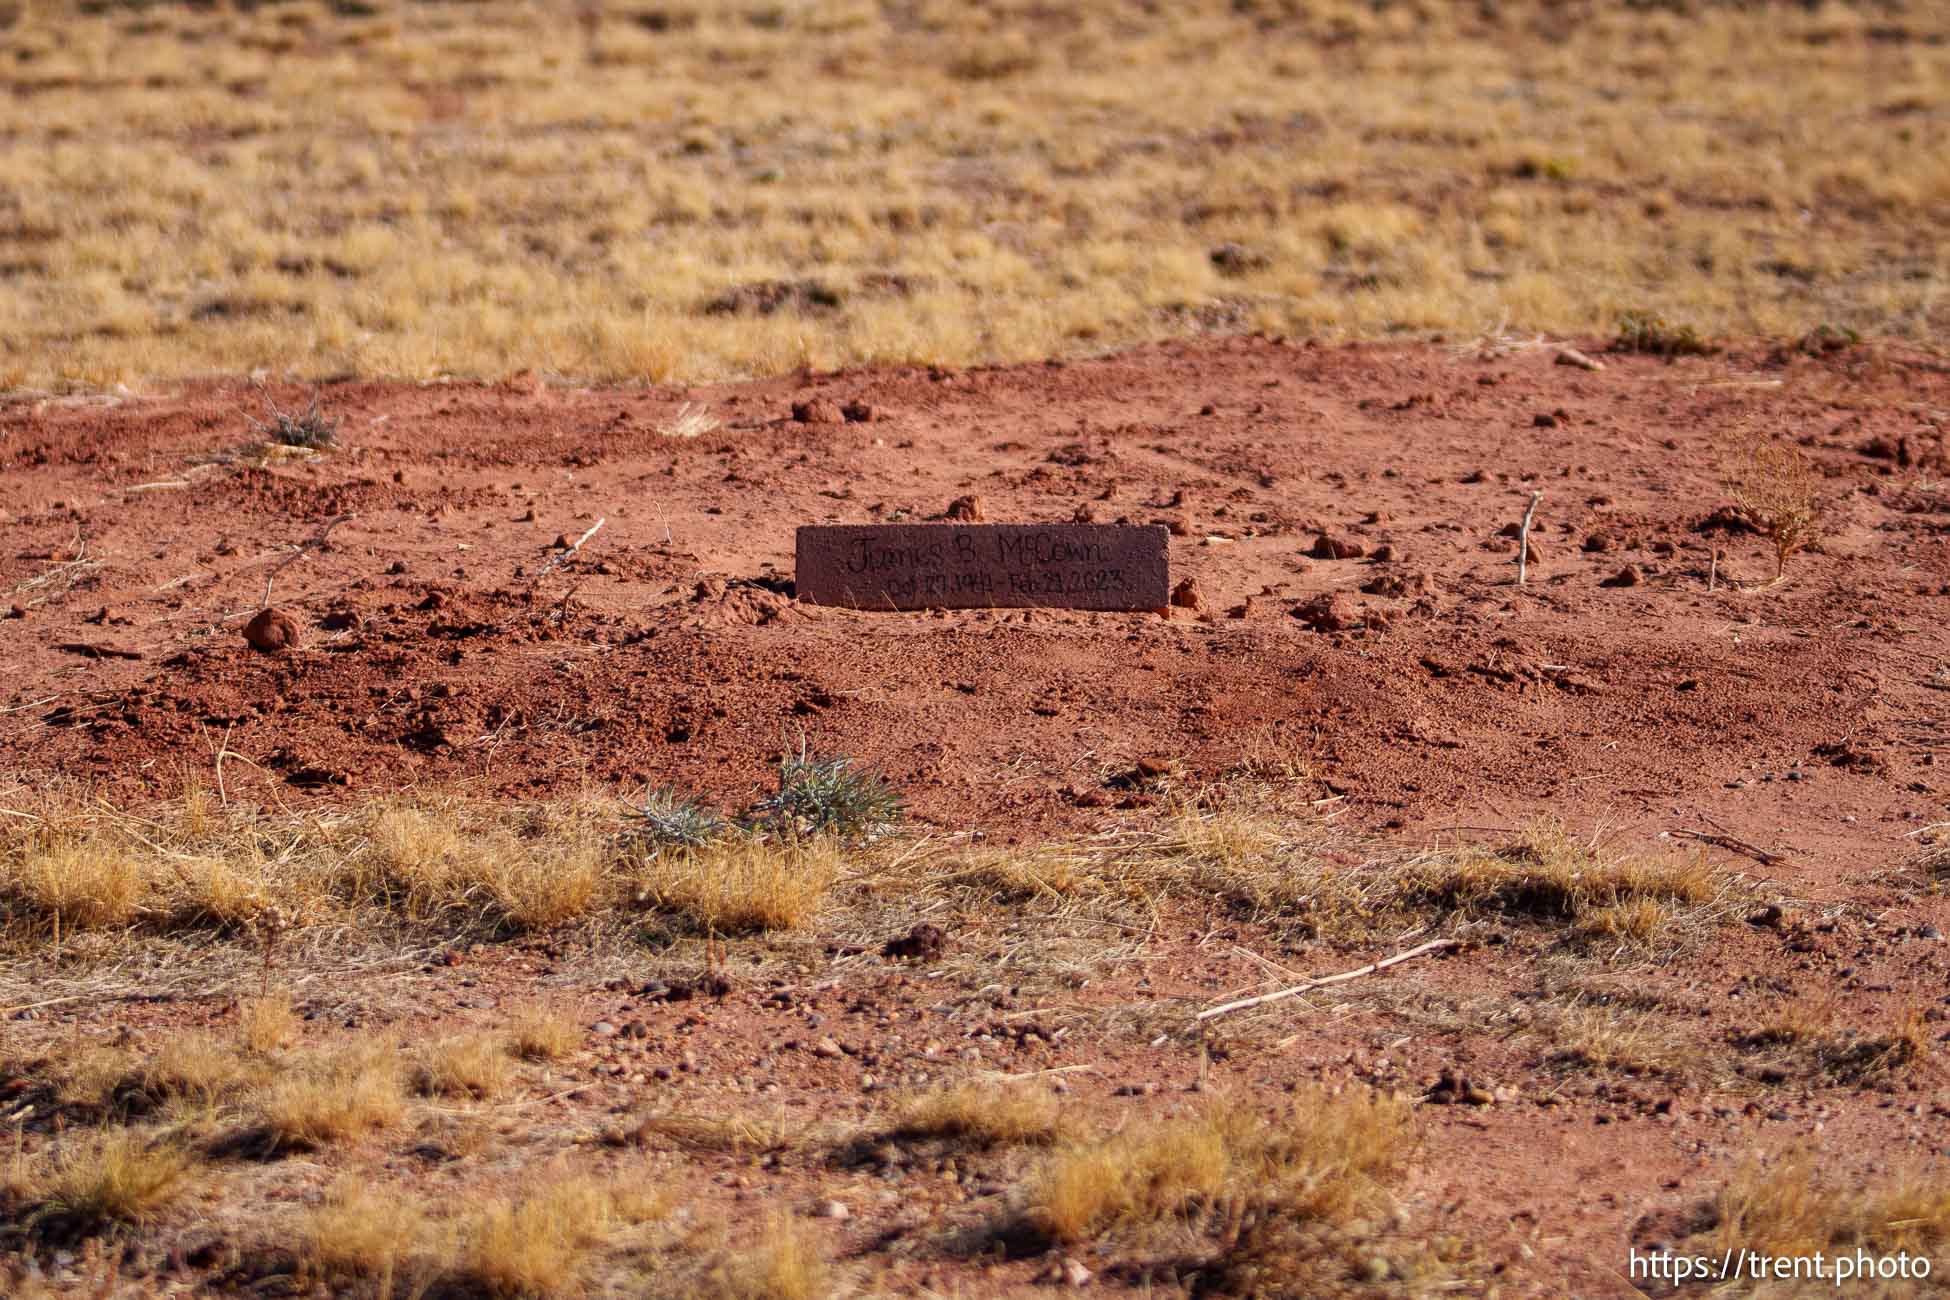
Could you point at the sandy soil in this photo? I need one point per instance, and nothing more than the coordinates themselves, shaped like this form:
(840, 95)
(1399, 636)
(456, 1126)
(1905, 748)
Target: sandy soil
(447, 640)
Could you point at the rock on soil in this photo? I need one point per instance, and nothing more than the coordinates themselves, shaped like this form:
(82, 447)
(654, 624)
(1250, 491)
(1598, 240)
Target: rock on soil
(1331, 611)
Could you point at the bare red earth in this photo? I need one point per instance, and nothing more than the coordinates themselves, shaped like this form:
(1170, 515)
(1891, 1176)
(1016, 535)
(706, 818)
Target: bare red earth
(1342, 512)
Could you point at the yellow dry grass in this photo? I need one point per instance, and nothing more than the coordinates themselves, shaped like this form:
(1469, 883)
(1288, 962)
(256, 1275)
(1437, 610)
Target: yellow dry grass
(537, 1034)
(785, 1263)
(539, 1244)
(740, 885)
(333, 1099)
(476, 1067)
(708, 190)
(982, 1115)
(1784, 1207)
(1325, 1160)
(111, 1176)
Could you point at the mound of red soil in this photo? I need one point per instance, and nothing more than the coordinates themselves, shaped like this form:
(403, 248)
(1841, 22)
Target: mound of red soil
(454, 643)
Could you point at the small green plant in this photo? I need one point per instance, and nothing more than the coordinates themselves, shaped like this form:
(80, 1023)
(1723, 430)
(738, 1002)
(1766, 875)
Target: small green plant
(1776, 487)
(1654, 335)
(829, 796)
(312, 429)
(669, 819)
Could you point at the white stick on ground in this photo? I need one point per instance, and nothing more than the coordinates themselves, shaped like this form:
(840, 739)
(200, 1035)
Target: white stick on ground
(1433, 945)
(1523, 540)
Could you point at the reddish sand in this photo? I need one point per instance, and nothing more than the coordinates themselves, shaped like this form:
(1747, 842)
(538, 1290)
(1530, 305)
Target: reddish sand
(445, 638)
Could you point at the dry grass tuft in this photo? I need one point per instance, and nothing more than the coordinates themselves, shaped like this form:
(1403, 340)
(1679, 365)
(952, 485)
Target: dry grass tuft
(334, 1099)
(1804, 1041)
(785, 1263)
(742, 885)
(267, 1022)
(1549, 876)
(982, 1116)
(363, 1230)
(1784, 1208)
(474, 1067)
(93, 882)
(539, 1245)
(1325, 1160)
(538, 1034)
(739, 1134)
(105, 1179)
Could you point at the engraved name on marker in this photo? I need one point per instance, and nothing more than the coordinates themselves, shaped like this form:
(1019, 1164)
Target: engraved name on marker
(964, 566)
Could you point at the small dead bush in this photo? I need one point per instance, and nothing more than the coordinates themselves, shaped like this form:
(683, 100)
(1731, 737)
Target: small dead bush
(1776, 487)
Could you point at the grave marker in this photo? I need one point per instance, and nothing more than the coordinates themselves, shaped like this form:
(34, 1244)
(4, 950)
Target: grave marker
(968, 566)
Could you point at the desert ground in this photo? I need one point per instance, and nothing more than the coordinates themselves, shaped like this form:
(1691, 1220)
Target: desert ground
(542, 899)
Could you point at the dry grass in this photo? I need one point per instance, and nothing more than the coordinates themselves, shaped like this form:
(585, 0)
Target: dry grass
(333, 1099)
(538, 1034)
(471, 1067)
(364, 1230)
(1784, 1207)
(1547, 875)
(1324, 1161)
(785, 1263)
(267, 1022)
(539, 1244)
(738, 1134)
(535, 1245)
(742, 885)
(1805, 1040)
(982, 1115)
(96, 882)
(104, 1179)
(709, 191)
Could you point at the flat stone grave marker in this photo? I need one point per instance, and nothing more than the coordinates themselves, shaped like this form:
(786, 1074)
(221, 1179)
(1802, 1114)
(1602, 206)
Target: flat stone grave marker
(967, 566)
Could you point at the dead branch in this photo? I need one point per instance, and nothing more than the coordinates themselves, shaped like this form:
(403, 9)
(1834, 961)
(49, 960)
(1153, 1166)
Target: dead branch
(1433, 945)
(1732, 845)
(1523, 539)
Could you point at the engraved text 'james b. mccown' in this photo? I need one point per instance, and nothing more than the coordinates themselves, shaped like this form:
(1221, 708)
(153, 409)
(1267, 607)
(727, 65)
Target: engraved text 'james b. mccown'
(929, 566)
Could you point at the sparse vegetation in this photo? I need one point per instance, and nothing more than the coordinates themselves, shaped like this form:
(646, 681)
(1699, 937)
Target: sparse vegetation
(742, 885)
(1776, 487)
(307, 430)
(537, 1034)
(102, 1180)
(470, 1067)
(141, 255)
(1655, 335)
(332, 1099)
(671, 819)
(1324, 1160)
(982, 1116)
(829, 795)
(1784, 1207)
(785, 1263)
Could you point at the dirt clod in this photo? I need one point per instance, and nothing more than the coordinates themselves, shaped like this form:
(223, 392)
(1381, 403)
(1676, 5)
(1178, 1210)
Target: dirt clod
(819, 410)
(271, 631)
